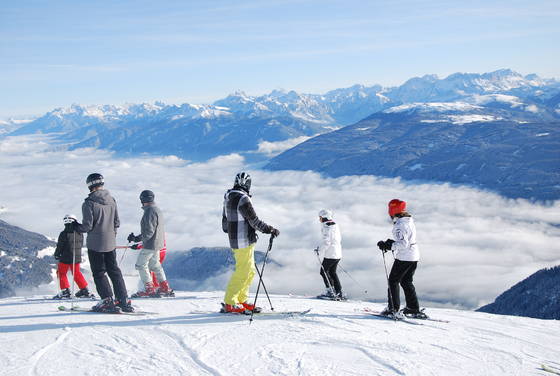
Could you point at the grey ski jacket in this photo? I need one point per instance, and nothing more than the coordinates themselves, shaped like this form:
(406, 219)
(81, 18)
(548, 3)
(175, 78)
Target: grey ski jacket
(239, 219)
(100, 221)
(151, 226)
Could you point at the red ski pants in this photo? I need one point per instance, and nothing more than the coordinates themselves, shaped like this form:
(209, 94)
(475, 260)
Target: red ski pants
(161, 258)
(75, 269)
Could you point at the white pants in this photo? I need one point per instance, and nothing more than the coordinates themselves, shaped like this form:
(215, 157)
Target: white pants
(148, 260)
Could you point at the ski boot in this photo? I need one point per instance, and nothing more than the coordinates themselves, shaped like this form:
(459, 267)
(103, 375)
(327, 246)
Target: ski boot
(392, 313)
(106, 305)
(84, 293)
(149, 292)
(237, 308)
(414, 313)
(165, 290)
(124, 305)
(328, 294)
(251, 307)
(340, 297)
(64, 294)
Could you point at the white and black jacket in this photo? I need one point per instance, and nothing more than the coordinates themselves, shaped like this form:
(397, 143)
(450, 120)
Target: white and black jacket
(240, 221)
(330, 247)
(404, 233)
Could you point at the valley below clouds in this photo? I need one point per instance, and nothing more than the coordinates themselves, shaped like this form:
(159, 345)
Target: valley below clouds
(474, 244)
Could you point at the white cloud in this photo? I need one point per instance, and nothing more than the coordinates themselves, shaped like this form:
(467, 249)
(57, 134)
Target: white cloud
(474, 244)
(271, 149)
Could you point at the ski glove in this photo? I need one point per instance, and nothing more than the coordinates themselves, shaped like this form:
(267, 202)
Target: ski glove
(274, 232)
(385, 245)
(135, 246)
(381, 245)
(389, 244)
(316, 250)
(134, 238)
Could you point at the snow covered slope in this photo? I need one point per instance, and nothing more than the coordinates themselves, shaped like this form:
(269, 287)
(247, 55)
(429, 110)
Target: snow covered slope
(185, 336)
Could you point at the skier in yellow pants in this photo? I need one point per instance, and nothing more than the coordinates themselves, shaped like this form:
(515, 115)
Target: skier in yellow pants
(240, 221)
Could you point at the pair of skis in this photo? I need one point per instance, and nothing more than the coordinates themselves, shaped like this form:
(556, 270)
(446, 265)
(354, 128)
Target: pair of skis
(258, 311)
(117, 312)
(74, 299)
(271, 313)
(402, 317)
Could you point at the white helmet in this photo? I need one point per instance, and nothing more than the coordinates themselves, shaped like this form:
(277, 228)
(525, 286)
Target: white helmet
(69, 218)
(325, 213)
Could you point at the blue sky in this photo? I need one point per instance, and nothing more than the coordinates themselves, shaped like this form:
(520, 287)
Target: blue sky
(55, 53)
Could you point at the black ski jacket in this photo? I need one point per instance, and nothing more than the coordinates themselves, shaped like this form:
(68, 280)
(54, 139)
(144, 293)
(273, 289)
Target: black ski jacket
(69, 246)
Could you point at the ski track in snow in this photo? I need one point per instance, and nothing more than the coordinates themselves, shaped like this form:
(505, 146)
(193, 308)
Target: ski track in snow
(187, 336)
(36, 358)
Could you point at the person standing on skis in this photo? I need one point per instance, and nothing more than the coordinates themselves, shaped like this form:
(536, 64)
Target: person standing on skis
(240, 221)
(331, 250)
(406, 254)
(162, 254)
(153, 240)
(68, 253)
(100, 222)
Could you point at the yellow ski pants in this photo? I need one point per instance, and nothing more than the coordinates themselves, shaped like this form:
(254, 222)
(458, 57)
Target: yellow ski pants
(237, 290)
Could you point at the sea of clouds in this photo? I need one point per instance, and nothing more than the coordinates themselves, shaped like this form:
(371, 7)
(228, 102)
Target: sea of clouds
(474, 244)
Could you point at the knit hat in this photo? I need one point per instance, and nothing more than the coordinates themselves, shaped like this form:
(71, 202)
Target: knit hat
(396, 206)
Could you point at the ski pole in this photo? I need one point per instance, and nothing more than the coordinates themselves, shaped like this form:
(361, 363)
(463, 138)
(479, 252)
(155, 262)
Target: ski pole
(356, 282)
(331, 289)
(124, 253)
(73, 269)
(260, 277)
(388, 286)
(265, 291)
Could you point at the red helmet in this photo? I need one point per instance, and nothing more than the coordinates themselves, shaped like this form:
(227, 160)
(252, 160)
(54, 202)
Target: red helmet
(396, 206)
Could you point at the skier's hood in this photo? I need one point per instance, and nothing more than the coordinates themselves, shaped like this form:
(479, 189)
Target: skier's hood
(102, 197)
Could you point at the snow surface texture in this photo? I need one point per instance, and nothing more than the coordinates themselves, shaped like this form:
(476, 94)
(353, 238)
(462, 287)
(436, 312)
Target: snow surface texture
(186, 336)
(474, 244)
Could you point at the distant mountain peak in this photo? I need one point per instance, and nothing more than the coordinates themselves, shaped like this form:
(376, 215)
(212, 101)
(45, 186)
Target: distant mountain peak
(434, 107)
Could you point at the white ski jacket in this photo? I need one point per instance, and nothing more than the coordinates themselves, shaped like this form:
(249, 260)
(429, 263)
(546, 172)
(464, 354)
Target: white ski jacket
(330, 247)
(404, 233)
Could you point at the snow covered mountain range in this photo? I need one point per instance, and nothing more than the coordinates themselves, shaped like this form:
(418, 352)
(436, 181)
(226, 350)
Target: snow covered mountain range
(494, 142)
(20, 264)
(494, 130)
(240, 122)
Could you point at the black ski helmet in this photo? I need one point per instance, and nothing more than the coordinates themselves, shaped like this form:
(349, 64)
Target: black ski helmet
(94, 180)
(243, 180)
(147, 196)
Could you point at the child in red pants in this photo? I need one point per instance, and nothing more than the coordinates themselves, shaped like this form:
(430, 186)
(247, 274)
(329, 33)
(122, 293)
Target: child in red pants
(68, 253)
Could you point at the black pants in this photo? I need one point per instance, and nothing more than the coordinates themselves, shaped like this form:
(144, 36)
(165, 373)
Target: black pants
(103, 263)
(331, 278)
(402, 273)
